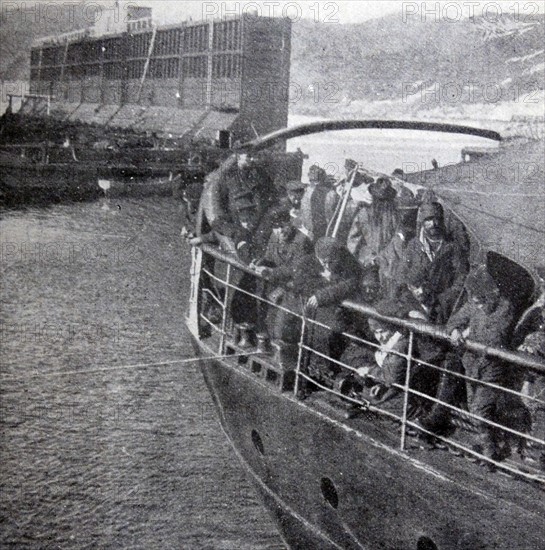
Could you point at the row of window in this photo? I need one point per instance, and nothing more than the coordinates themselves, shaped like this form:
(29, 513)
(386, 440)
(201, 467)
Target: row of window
(139, 45)
(195, 67)
(84, 52)
(165, 68)
(227, 36)
(112, 48)
(114, 71)
(226, 66)
(52, 56)
(223, 66)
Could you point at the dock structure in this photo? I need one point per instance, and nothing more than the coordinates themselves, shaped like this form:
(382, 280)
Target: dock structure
(195, 77)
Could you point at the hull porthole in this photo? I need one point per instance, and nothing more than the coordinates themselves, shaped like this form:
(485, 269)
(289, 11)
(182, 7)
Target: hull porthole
(425, 543)
(258, 443)
(329, 492)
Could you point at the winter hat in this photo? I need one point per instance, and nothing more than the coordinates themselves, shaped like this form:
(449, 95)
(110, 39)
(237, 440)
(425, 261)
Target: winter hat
(430, 210)
(534, 343)
(326, 248)
(350, 164)
(382, 190)
(480, 284)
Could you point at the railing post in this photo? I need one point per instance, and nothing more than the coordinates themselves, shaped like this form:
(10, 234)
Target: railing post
(406, 390)
(300, 355)
(225, 304)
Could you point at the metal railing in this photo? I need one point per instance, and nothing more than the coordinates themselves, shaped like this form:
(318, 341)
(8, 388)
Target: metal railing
(414, 330)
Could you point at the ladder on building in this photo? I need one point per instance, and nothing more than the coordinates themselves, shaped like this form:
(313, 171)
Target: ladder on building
(146, 64)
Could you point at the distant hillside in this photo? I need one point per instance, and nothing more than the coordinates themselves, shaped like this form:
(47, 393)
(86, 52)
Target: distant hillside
(421, 64)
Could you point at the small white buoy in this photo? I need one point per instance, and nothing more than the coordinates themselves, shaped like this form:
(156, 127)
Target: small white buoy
(105, 185)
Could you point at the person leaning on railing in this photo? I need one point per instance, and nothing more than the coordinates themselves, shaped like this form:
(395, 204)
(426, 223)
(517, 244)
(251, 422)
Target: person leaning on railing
(534, 385)
(286, 247)
(341, 276)
(487, 318)
(418, 299)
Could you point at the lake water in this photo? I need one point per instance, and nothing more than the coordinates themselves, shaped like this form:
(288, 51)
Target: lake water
(129, 458)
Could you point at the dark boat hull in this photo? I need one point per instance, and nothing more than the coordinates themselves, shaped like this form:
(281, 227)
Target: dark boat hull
(22, 184)
(332, 485)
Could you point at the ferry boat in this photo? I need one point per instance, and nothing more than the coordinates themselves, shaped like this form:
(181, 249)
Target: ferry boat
(338, 471)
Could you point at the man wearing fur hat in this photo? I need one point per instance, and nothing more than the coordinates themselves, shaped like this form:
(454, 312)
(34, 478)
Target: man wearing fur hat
(442, 261)
(486, 318)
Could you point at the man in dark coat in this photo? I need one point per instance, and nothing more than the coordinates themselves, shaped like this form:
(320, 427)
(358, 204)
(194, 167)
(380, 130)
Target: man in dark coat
(416, 299)
(240, 185)
(441, 260)
(341, 276)
(285, 248)
(279, 266)
(317, 206)
(486, 318)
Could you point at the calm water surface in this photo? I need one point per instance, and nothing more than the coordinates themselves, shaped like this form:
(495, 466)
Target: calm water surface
(122, 458)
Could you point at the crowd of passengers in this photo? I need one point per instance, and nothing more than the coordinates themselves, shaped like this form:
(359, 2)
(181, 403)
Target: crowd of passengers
(393, 249)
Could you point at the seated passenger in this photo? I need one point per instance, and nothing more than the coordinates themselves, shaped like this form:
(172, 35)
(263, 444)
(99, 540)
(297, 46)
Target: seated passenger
(454, 228)
(388, 365)
(390, 260)
(234, 233)
(286, 246)
(375, 224)
(487, 318)
(289, 204)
